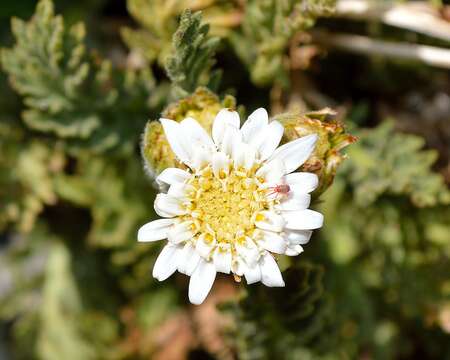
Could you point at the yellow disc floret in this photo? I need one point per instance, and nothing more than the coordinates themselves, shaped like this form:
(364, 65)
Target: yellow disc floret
(225, 207)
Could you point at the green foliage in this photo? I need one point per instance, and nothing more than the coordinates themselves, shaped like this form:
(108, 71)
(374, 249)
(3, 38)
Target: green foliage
(61, 305)
(272, 325)
(259, 32)
(49, 301)
(385, 162)
(390, 178)
(116, 207)
(267, 28)
(158, 21)
(26, 171)
(75, 109)
(22, 267)
(50, 72)
(387, 222)
(191, 57)
(68, 93)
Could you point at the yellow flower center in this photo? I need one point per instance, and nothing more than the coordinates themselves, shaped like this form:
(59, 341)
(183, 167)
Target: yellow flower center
(225, 208)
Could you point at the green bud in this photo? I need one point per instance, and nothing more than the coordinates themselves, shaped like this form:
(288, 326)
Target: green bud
(203, 106)
(326, 157)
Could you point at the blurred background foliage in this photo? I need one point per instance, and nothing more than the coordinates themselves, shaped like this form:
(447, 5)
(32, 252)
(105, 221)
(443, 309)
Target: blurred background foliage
(81, 79)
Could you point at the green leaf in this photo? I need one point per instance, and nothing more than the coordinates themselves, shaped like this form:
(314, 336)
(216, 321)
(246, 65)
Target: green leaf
(192, 55)
(118, 207)
(267, 28)
(27, 169)
(59, 335)
(277, 323)
(385, 162)
(48, 66)
(68, 93)
(158, 20)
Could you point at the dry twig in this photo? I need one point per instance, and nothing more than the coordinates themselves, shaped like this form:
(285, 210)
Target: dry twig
(418, 16)
(429, 55)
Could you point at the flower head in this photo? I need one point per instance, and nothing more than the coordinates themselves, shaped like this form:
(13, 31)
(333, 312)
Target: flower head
(238, 203)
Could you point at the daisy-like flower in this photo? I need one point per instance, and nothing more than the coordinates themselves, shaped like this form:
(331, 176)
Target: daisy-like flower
(238, 203)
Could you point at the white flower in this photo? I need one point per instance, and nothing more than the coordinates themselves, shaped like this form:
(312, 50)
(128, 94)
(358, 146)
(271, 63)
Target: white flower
(238, 203)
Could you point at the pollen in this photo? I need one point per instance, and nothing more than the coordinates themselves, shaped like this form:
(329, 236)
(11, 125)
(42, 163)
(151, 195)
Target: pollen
(225, 208)
(259, 217)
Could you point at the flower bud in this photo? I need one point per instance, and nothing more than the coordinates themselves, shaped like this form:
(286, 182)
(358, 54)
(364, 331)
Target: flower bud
(202, 105)
(332, 138)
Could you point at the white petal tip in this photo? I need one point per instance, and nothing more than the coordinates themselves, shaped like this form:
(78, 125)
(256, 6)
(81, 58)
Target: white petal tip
(312, 137)
(196, 300)
(201, 282)
(249, 282)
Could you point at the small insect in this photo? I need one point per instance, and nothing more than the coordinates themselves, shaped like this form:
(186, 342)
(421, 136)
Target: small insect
(281, 189)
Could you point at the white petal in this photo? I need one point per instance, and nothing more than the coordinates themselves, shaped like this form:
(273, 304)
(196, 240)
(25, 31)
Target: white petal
(303, 220)
(302, 181)
(203, 247)
(201, 282)
(220, 163)
(223, 119)
(201, 157)
(177, 140)
(231, 137)
(272, 172)
(238, 153)
(180, 232)
(168, 206)
(166, 263)
(269, 139)
(154, 230)
(243, 155)
(238, 266)
(248, 251)
(272, 221)
(295, 153)
(255, 124)
(195, 134)
(172, 176)
(270, 273)
(180, 191)
(188, 259)
(222, 260)
(252, 274)
(298, 237)
(273, 242)
(293, 250)
(294, 202)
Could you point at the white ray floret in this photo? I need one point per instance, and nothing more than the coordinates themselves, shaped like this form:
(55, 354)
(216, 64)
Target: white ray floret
(224, 213)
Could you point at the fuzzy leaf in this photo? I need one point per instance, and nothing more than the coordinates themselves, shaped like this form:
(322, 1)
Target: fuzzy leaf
(59, 336)
(48, 66)
(27, 169)
(66, 92)
(266, 30)
(191, 56)
(384, 162)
